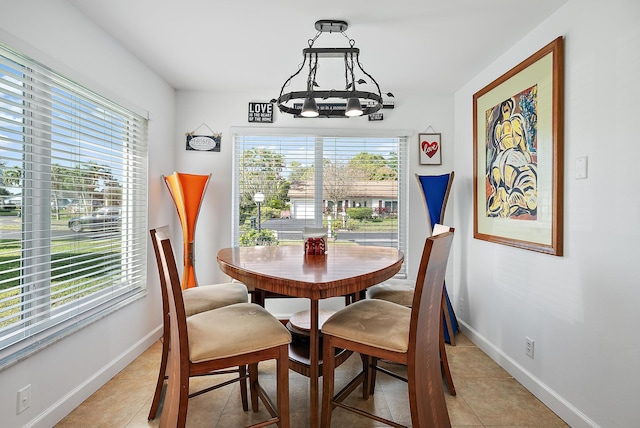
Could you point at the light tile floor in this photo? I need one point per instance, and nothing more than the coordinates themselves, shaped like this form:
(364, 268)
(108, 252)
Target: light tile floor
(487, 396)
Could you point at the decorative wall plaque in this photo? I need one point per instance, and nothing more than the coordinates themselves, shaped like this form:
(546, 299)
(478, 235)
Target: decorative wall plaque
(261, 112)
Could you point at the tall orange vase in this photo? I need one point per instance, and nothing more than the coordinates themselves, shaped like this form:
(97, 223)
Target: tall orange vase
(187, 191)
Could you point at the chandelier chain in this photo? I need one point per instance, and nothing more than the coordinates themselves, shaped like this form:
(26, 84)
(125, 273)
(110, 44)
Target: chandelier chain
(348, 70)
(312, 41)
(313, 68)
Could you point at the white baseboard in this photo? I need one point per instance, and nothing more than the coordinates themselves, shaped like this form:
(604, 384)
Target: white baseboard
(61, 408)
(565, 410)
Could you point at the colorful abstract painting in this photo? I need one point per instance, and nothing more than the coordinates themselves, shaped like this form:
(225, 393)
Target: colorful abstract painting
(511, 161)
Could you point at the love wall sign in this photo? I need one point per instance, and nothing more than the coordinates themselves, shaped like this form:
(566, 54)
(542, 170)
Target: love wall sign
(430, 147)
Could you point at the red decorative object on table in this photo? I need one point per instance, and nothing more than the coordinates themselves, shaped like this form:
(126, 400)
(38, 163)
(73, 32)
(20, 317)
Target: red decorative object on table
(314, 247)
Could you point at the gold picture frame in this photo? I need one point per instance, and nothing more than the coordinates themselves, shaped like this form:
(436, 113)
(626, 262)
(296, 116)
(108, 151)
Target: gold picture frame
(518, 154)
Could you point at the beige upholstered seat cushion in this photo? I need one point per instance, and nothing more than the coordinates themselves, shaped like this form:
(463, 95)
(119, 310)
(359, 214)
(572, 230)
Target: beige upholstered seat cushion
(394, 290)
(214, 296)
(372, 322)
(233, 330)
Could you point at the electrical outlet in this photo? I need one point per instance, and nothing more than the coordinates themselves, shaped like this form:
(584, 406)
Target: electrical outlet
(24, 399)
(530, 343)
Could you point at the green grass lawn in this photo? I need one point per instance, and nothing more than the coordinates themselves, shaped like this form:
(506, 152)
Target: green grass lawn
(78, 268)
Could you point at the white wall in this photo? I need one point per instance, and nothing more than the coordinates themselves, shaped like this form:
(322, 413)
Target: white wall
(67, 372)
(581, 309)
(221, 112)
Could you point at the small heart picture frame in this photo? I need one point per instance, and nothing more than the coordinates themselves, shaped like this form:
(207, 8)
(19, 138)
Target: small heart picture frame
(430, 149)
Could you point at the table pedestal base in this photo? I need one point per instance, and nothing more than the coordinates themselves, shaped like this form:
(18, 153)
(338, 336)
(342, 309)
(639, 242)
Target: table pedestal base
(299, 360)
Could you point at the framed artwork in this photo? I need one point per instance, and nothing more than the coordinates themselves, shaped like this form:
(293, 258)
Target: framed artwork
(517, 154)
(430, 147)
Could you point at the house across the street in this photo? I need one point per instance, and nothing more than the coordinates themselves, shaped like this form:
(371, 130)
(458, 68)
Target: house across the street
(381, 196)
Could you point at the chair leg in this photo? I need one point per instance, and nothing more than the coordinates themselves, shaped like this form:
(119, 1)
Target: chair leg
(155, 402)
(283, 386)
(242, 370)
(347, 299)
(258, 297)
(370, 372)
(183, 404)
(366, 369)
(373, 375)
(444, 365)
(428, 406)
(328, 372)
(253, 385)
(354, 297)
(447, 320)
(176, 401)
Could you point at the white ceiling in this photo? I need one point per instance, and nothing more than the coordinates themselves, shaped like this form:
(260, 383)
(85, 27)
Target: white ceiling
(221, 45)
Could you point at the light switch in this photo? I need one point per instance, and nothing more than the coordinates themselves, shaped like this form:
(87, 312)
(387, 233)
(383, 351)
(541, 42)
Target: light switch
(581, 167)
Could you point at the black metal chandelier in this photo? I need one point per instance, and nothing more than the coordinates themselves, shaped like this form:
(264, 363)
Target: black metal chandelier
(349, 101)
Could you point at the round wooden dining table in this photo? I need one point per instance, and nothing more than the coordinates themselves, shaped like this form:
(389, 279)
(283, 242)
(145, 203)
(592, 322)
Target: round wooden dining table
(286, 270)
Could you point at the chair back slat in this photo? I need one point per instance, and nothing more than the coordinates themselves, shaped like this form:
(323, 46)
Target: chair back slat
(168, 269)
(179, 342)
(163, 282)
(425, 261)
(425, 328)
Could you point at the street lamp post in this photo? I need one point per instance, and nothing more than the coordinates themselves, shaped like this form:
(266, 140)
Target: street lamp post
(259, 199)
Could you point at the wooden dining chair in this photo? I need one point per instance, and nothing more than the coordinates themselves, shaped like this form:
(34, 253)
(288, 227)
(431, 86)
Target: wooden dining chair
(400, 291)
(435, 190)
(196, 299)
(379, 329)
(236, 335)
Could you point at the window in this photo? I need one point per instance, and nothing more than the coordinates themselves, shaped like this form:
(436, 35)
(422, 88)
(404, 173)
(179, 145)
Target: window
(356, 194)
(73, 206)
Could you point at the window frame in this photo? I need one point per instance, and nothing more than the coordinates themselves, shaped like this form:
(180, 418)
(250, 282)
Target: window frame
(318, 134)
(38, 125)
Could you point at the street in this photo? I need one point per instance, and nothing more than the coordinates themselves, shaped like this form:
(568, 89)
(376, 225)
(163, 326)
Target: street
(291, 230)
(286, 229)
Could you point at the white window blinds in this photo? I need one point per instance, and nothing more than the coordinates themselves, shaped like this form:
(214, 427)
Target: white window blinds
(73, 213)
(352, 186)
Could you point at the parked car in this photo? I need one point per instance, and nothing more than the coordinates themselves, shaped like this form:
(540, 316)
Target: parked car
(12, 203)
(102, 219)
(61, 203)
